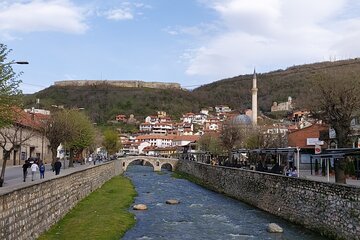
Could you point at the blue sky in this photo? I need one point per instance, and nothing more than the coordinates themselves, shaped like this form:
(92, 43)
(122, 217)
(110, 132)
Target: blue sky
(192, 42)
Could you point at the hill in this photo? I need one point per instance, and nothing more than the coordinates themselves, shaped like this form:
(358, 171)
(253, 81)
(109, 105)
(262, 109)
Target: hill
(275, 86)
(103, 102)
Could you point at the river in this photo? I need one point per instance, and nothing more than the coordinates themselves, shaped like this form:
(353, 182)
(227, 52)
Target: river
(201, 214)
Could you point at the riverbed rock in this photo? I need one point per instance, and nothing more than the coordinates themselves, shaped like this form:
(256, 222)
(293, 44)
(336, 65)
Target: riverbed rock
(140, 207)
(274, 228)
(172, 201)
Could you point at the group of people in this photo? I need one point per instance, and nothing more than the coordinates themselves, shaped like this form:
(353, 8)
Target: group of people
(93, 158)
(36, 165)
(292, 172)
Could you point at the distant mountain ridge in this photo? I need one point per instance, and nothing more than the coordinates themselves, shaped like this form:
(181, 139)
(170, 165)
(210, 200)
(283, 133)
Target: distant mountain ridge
(103, 101)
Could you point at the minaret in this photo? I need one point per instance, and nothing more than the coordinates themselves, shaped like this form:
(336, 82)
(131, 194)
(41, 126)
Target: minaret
(254, 100)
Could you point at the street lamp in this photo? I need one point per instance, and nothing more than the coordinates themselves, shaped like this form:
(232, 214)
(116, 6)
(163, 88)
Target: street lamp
(13, 62)
(21, 62)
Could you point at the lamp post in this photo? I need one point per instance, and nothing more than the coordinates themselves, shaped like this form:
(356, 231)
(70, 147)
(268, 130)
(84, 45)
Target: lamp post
(14, 62)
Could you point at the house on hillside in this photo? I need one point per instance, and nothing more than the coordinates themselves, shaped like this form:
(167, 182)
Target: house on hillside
(222, 109)
(188, 117)
(152, 119)
(212, 124)
(156, 140)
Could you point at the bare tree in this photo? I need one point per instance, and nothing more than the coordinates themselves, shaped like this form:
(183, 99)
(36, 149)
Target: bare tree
(336, 101)
(258, 138)
(233, 135)
(56, 129)
(12, 137)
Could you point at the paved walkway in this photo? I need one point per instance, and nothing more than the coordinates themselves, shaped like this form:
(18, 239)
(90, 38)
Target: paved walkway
(307, 175)
(14, 178)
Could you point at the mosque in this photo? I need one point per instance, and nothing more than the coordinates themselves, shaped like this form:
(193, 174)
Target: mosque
(244, 118)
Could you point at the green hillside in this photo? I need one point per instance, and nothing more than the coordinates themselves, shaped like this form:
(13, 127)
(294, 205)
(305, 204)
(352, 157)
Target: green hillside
(274, 86)
(104, 102)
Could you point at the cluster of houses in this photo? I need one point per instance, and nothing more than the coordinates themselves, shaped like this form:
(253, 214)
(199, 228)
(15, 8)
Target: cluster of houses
(160, 135)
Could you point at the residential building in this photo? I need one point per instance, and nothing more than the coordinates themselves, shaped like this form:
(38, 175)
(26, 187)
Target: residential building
(156, 140)
(36, 144)
(306, 139)
(152, 119)
(212, 124)
(222, 109)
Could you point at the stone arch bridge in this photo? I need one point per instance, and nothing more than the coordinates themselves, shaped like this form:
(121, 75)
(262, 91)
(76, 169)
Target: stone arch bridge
(156, 162)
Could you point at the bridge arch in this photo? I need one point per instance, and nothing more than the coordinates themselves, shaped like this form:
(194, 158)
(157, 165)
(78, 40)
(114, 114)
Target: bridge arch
(156, 162)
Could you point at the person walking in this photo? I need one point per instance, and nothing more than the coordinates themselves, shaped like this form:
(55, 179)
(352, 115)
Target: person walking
(34, 169)
(25, 167)
(42, 170)
(57, 167)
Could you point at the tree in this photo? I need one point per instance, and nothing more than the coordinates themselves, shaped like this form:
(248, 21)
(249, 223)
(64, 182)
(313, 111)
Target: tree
(13, 136)
(211, 143)
(57, 130)
(9, 88)
(257, 138)
(111, 141)
(82, 133)
(336, 101)
(233, 135)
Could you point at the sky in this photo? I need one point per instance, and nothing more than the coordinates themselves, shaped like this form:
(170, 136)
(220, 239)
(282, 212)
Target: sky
(191, 42)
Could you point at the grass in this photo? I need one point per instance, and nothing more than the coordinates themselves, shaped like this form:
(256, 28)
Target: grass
(101, 215)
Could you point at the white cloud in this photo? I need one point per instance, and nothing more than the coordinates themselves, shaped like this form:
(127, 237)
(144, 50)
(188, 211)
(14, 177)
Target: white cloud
(119, 14)
(271, 34)
(126, 11)
(39, 15)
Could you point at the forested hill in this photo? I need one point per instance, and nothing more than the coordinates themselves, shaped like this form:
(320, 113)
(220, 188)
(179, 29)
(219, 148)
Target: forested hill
(104, 102)
(274, 86)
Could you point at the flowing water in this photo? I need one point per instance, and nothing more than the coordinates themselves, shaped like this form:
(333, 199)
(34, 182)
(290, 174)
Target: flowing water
(201, 214)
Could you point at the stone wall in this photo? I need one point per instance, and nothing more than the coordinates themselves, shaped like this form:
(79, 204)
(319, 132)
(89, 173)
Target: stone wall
(331, 209)
(28, 211)
(119, 83)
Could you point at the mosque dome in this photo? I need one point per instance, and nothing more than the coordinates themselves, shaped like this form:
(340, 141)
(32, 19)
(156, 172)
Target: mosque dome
(242, 119)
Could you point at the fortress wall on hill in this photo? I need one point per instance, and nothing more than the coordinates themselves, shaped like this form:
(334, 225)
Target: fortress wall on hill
(126, 84)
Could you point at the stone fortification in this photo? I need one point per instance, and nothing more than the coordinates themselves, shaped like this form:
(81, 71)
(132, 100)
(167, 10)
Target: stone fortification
(331, 209)
(30, 210)
(125, 84)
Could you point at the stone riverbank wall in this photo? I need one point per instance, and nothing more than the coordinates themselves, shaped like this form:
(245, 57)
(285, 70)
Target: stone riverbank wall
(331, 209)
(28, 211)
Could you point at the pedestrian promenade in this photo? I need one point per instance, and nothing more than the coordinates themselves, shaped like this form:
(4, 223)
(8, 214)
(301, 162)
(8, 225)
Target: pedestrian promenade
(14, 177)
(306, 174)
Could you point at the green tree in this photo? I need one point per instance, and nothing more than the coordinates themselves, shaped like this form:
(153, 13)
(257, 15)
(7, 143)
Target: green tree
(9, 88)
(111, 141)
(82, 133)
